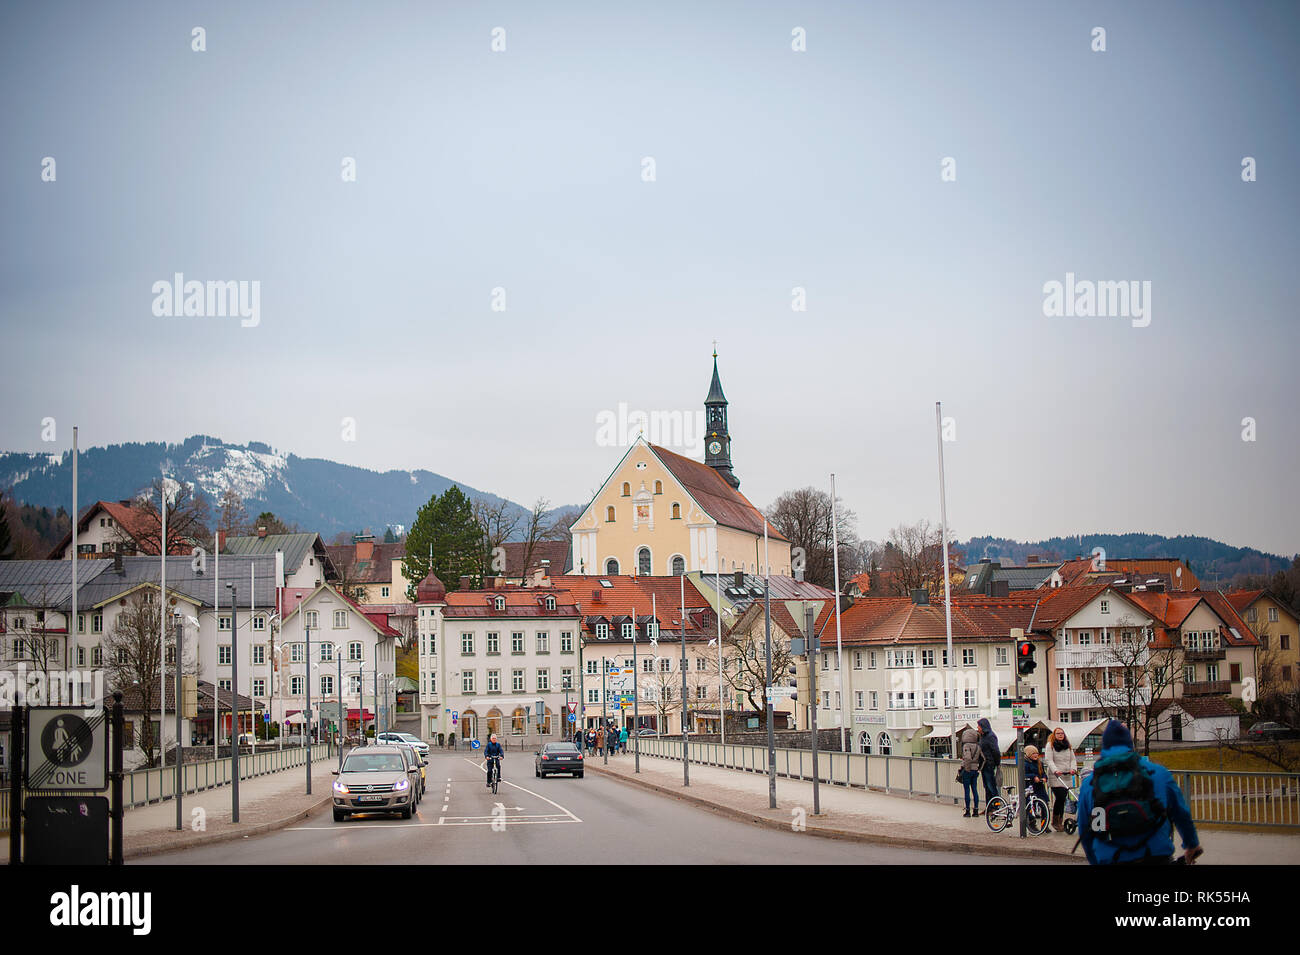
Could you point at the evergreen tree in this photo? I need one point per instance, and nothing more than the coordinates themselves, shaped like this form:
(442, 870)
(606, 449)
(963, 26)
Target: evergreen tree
(6, 541)
(389, 536)
(445, 526)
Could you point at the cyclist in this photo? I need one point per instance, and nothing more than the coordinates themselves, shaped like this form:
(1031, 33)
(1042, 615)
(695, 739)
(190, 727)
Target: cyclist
(492, 755)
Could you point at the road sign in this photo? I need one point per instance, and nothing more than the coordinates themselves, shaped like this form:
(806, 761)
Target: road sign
(573, 707)
(1020, 717)
(776, 693)
(68, 749)
(474, 744)
(572, 718)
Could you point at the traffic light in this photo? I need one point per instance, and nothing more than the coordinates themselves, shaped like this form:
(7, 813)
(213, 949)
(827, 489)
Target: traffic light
(1025, 662)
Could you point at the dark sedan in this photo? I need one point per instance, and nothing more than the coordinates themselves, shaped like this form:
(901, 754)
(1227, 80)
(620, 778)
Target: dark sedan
(558, 758)
(1261, 731)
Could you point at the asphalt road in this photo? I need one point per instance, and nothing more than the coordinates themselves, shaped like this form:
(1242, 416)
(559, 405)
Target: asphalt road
(545, 821)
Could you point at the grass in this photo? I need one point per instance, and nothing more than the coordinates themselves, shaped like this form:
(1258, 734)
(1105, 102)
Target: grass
(1212, 759)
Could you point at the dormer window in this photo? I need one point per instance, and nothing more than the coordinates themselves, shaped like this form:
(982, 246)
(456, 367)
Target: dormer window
(499, 602)
(550, 603)
(602, 631)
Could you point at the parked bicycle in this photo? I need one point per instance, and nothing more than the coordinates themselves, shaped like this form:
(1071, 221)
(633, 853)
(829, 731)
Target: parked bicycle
(1002, 811)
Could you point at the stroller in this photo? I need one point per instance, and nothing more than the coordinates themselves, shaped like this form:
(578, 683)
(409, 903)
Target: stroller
(1071, 818)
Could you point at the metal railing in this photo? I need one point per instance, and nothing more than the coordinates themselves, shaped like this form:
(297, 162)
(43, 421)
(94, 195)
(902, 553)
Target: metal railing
(144, 786)
(1223, 798)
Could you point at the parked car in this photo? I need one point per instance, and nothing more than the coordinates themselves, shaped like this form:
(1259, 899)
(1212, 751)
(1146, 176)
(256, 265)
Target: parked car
(1262, 731)
(558, 758)
(419, 762)
(646, 732)
(375, 779)
(393, 737)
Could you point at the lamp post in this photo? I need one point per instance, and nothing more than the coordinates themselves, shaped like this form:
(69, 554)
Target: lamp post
(234, 704)
(302, 616)
(180, 772)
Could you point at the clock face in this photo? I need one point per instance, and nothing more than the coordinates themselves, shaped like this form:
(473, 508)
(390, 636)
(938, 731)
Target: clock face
(715, 447)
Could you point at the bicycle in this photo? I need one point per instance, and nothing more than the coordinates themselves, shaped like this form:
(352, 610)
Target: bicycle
(494, 772)
(1001, 811)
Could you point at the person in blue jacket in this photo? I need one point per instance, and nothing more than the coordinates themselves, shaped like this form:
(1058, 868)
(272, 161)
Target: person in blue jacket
(492, 754)
(1165, 803)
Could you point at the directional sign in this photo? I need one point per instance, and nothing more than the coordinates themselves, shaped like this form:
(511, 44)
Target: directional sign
(474, 744)
(68, 751)
(777, 693)
(572, 718)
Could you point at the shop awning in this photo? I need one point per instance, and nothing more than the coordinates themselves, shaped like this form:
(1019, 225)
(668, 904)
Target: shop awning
(352, 714)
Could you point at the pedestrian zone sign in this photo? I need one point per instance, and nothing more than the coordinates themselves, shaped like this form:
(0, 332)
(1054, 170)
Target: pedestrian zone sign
(67, 749)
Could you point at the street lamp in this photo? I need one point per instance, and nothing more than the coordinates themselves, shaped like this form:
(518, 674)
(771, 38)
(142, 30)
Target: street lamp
(307, 711)
(234, 705)
(337, 651)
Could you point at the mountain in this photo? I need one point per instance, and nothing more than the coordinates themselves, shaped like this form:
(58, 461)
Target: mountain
(318, 495)
(1209, 559)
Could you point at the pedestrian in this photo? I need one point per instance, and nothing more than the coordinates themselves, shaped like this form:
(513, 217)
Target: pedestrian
(1127, 805)
(577, 739)
(971, 759)
(1061, 767)
(992, 754)
(622, 738)
(600, 740)
(591, 740)
(1034, 773)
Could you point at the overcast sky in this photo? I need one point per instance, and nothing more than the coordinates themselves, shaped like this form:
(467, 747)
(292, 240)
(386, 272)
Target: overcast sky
(774, 169)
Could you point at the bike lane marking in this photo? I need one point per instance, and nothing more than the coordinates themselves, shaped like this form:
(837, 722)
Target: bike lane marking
(530, 792)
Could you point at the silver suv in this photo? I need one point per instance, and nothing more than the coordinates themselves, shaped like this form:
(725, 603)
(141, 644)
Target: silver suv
(375, 779)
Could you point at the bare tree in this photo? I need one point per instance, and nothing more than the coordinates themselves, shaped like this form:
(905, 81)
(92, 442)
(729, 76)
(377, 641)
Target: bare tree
(187, 521)
(744, 659)
(1130, 679)
(533, 529)
(499, 521)
(132, 660)
(804, 518)
(233, 517)
(912, 559)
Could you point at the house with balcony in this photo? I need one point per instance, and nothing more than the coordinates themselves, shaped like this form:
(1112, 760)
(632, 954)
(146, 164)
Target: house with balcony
(1278, 630)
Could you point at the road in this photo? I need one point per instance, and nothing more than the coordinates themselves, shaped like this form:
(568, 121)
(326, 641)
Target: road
(545, 821)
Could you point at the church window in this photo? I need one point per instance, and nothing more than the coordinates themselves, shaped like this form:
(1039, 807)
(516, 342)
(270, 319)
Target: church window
(679, 565)
(659, 487)
(677, 511)
(643, 562)
(611, 566)
(609, 515)
(627, 489)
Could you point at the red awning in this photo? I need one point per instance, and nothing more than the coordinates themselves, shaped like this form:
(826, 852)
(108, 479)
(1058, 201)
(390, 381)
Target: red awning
(352, 714)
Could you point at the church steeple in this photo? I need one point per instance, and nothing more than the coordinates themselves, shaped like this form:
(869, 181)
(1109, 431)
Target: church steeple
(717, 446)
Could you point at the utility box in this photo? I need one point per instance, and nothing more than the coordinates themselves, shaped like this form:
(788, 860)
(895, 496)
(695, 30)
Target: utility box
(189, 696)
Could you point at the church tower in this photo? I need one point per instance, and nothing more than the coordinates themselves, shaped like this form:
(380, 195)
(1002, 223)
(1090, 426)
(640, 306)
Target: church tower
(717, 446)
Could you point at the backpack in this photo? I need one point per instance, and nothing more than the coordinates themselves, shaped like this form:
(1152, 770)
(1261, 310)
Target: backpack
(1124, 797)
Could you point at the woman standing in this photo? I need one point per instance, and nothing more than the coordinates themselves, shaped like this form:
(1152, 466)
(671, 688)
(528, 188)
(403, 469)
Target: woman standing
(1061, 767)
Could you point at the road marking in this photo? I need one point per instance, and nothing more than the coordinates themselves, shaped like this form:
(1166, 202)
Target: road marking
(531, 793)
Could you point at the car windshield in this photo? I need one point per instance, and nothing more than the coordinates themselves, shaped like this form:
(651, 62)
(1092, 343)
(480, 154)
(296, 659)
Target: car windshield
(561, 748)
(409, 738)
(374, 763)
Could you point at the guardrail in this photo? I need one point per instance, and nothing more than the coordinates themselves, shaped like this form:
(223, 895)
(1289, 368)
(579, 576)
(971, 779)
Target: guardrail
(1233, 799)
(144, 786)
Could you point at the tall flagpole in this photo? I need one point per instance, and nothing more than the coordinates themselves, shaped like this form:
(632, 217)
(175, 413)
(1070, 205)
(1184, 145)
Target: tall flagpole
(216, 609)
(722, 705)
(252, 700)
(947, 597)
(75, 628)
(839, 648)
(686, 753)
(162, 633)
(767, 690)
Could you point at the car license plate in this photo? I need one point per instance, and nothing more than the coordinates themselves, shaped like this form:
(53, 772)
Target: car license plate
(370, 799)
(565, 759)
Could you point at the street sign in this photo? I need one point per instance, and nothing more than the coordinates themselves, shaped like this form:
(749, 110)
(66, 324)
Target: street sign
(1020, 717)
(775, 693)
(474, 744)
(572, 718)
(67, 751)
(573, 707)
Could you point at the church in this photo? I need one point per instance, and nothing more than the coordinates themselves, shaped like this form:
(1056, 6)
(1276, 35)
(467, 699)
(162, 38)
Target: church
(659, 513)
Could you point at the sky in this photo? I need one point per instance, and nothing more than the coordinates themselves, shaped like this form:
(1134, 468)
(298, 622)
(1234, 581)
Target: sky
(539, 233)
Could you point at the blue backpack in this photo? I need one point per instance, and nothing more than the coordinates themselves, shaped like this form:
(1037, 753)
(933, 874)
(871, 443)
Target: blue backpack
(1124, 799)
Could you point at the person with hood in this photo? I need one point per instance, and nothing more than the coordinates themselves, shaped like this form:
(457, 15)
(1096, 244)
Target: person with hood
(1126, 807)
(1061, 767)
(971, 760)
(992, 754)
(1035, 774)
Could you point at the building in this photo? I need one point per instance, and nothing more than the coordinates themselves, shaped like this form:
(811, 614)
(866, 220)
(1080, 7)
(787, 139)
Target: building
(524, 564)
(304, 561)
(1169, 573)
(488, 657)
(1278, 630)
(661, 514)
(110, 527)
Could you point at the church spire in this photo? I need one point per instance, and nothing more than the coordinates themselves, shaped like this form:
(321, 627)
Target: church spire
(717, 447)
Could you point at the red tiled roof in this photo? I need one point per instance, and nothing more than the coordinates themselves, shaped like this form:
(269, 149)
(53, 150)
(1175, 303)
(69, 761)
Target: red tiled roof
(720, 500)
(1197, 706)
(897, 619)
(1079, 571)
(520, 602)
(377, 570)
(140, 525)
(627, 595)
(1242, 599)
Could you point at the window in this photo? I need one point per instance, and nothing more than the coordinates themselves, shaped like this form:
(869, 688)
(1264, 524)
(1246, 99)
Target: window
(826, 661)
(171, 653)
(927, 699)
(1105, 606)
(383, 591)
(516, 681)
(643, 561)
(340, 619)
(122, 656)
(627, 489)
(593, 696)
(1272, 615)
(593, 667)
(627, 631)
(499, 602)
(327, 653)
(611, 565)
(467, 681)
(259, 687)
(871, 664)
(354, 684)
(517, 641)
(433, 682)
(1286, 672)
(1251, 615)
(81, 623)
(355, 651)
(857, 699)
(701, 692)
(543, 642)
(647, 665)
(494, 681)
(1085, 638)
(550, 602)
(927, 658)
(81, 656)
(659, 487)
(677, 511)
(311, 620)
(665, 665)
(1003, 656)
(543, 680)
(223, 655)
(968, 656)
(258, 654)
(902, 700)
(1126, 637)
(566, 641)
(467, 643)
(1234, 672)
(609, 519)
(857, 659)
(97, 656)
(1285, 640)
(1189, 673)
(1004, 693)
(326, 685)
(223, 622)
(970, 698)
(433, 644)
(874, 696)
(679, 566)
(295, 686)
(297, 653)
(900, 658)
(700, 664)
(566, 678)
(1263, 641)
(259, 622)
(602, 631)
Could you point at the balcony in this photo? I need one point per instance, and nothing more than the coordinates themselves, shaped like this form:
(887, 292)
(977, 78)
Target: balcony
(1099, 657)
(1206, 656)
(1100, 698)
(903, 719)
(1208, 688)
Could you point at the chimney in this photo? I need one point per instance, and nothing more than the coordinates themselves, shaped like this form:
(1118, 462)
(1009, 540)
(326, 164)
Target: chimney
(1000, 588)
(465, 582)
(117, 560)
(1032, 559)
(921, 597)
(597, 597)
(261, 533)
(365, 545)
(221, 541)
(740, 578)
(126, 503)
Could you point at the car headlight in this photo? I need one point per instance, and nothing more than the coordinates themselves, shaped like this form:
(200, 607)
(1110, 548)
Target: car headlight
(402, 785)
(340, 788)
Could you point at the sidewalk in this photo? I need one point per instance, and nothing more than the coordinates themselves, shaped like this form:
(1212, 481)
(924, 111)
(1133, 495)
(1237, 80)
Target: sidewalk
(266, 803)
(918, 822)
